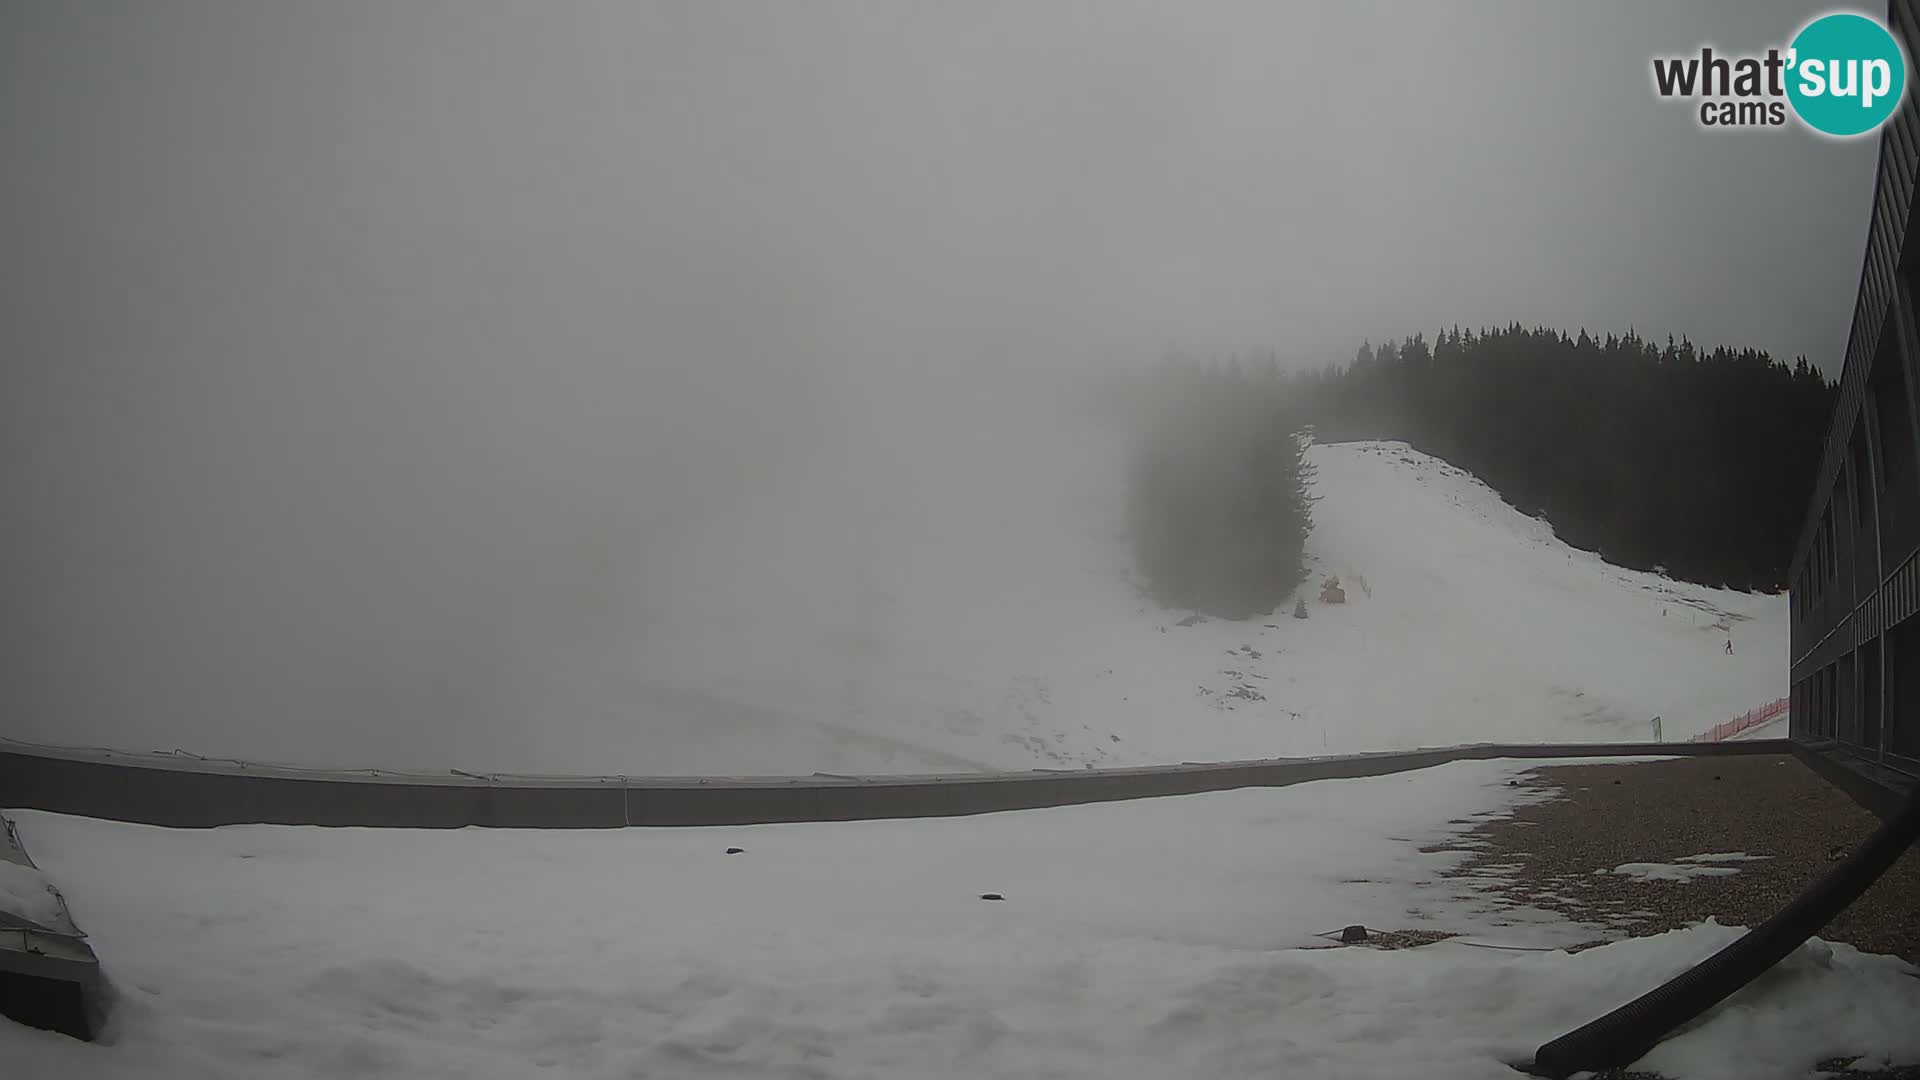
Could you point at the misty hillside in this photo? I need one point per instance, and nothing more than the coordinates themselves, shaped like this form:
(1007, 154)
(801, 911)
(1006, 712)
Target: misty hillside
(943, 584)
(1465, 621)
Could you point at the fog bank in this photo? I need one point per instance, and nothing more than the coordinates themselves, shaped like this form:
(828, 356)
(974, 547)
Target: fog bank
(423, 384)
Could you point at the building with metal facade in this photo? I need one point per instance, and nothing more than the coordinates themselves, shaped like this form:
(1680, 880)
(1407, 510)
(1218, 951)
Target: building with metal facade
(1856, 568)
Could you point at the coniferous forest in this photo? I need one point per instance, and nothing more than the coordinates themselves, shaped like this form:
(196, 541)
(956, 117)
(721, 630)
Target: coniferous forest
(1658, 456)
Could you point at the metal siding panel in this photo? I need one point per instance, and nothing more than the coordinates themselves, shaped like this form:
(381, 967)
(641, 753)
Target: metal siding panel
(1887, 255)
(1909, 589)
(1894, 156)
(1897, 252)
(1883, 226)
(1877, 225)
(1909, 357)
(1905, 156)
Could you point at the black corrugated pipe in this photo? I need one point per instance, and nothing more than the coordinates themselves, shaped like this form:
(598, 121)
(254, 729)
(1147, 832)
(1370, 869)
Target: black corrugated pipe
(1624, 1035)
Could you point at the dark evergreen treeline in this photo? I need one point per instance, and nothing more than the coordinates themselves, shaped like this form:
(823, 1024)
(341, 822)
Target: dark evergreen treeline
(1655, 456)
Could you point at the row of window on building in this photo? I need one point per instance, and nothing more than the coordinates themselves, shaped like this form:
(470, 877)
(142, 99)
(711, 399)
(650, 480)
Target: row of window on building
(1875, 494)
(1866, 699)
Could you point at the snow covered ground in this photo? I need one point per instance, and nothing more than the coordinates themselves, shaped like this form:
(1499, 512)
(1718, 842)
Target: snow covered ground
(1149, 939)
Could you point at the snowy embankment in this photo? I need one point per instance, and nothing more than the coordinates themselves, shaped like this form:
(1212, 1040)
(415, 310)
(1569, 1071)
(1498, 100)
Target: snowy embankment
(1158, 938)
(1775, 728)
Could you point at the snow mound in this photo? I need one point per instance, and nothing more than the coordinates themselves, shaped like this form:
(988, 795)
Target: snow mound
(1643, 871)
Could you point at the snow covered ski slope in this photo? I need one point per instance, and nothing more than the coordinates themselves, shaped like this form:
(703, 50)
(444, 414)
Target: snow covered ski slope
(1465, 621)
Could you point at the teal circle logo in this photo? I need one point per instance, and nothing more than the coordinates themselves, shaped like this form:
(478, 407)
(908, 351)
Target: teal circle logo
(1846, 74)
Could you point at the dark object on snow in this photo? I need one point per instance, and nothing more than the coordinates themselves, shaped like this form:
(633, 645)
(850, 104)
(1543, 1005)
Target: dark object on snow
(735, 850)
(1353, 934)
(1300, 608)
(991, 896)
(1624, 1035)
(49, 976)
(1332, 593)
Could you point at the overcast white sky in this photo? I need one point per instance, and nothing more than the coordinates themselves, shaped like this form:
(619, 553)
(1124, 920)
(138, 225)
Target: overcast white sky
(307, 307)
(1096, 176)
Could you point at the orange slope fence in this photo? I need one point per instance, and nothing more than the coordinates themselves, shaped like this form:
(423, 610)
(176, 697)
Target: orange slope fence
(1747, 721)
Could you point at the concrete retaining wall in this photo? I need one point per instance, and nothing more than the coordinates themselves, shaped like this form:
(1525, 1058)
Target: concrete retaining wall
(187, 792)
